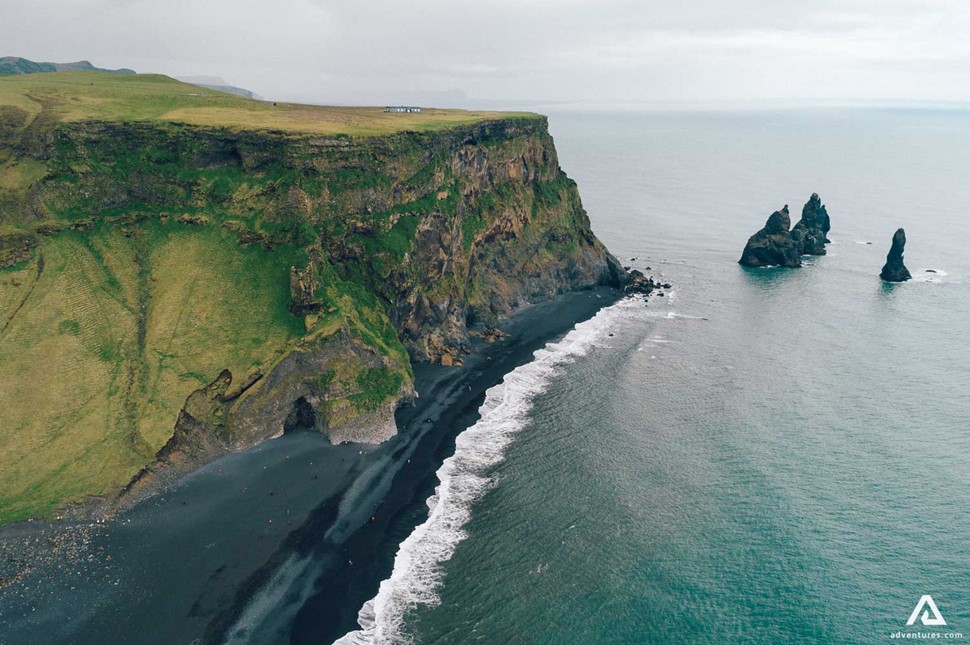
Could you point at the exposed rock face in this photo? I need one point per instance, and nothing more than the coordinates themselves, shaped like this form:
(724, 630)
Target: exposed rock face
(324, 376)
(329, 378)
(199, 437)
(772, 245)
(775, 245)
(450, 229)
(810, 233)
(16, 248)
(894, 270)
(396, 249)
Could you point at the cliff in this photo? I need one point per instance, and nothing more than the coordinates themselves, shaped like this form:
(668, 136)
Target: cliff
(173, 289)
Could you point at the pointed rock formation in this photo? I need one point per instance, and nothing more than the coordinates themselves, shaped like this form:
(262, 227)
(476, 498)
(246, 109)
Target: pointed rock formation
(773, 245)
(894, 270)
(811, 232)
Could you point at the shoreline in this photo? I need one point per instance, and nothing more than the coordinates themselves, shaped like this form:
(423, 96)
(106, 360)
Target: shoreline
(322, 513)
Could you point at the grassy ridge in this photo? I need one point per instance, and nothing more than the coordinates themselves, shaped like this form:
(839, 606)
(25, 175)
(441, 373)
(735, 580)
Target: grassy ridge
(78, 96)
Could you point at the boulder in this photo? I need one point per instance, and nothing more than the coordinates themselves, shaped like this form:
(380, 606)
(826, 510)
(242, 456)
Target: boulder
(639, 283)
(894, 270)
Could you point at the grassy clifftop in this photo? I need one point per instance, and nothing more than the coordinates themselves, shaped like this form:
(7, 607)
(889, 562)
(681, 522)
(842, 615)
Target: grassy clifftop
(103, 96)
(184, 272)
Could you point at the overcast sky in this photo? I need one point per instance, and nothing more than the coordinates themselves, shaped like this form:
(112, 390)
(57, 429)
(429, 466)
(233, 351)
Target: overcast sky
(377, 51)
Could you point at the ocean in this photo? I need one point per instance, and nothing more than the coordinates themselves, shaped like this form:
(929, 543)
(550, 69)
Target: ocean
(762, 455)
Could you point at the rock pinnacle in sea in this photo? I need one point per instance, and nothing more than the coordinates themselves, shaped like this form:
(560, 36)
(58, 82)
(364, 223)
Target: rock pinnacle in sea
(894, 270)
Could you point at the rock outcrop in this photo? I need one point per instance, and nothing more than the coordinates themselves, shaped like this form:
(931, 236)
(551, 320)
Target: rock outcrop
(640, 284)
(199, 437)
(776, 245)
(379, 250)
(772, 245)
(15, 248)
(894, 270)
(811, 231)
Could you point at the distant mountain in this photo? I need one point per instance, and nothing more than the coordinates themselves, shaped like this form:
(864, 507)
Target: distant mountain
(219, 85)
(14, 65)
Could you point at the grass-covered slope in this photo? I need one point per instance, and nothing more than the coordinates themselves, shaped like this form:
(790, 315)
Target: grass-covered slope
(17, 65)
(282, 263)
(114, 332)
(81, 96)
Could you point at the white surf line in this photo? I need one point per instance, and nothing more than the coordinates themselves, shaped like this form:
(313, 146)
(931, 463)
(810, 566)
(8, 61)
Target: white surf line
(463, 479)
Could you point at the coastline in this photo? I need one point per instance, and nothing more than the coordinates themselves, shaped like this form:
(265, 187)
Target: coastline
(307, 512)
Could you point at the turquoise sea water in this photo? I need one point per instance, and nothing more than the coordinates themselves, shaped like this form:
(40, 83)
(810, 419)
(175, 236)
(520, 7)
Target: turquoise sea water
(763, 455)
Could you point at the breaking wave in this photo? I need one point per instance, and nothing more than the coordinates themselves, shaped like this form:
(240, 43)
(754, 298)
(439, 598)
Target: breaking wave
(465, 477)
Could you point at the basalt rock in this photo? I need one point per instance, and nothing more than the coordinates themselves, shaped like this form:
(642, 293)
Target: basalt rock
(894, 270)
(776, 245)
(640, 284)
(810, 233)
(772, 245)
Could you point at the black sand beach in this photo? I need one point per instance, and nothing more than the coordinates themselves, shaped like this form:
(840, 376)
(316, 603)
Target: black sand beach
(281, 543)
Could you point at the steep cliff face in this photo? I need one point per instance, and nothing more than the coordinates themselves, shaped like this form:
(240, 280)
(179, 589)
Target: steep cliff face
(448, 228)
(333, 260)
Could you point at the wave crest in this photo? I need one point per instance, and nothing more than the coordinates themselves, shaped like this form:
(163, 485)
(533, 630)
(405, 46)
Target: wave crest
(464, 478)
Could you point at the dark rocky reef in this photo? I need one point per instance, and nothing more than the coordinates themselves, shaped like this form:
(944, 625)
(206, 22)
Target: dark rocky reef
(894, 270)
(640, 284)
(776, 245)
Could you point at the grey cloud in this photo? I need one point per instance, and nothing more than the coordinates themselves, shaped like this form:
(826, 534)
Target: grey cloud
(574, 50)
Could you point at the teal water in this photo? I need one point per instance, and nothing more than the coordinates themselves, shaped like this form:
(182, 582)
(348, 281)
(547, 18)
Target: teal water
(765, 455)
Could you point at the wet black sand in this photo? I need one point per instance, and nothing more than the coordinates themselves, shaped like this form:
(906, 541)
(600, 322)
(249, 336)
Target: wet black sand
(282, 543)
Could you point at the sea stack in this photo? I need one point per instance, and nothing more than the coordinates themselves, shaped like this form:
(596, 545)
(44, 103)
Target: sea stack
(894, 270)
(773, 245)
(811, 232)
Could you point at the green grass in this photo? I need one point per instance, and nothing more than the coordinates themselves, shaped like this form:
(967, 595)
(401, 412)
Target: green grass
(79, 96)
(377, 386)
(87, 404)
(136, 310)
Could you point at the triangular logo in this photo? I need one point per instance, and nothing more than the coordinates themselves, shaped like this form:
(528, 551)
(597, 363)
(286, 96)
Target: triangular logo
(931, 616)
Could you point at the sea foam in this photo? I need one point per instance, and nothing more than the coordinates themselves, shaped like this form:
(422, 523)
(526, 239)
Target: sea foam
(465, 477)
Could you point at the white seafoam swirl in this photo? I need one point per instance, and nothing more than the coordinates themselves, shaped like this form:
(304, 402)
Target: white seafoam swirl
(464, 479)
